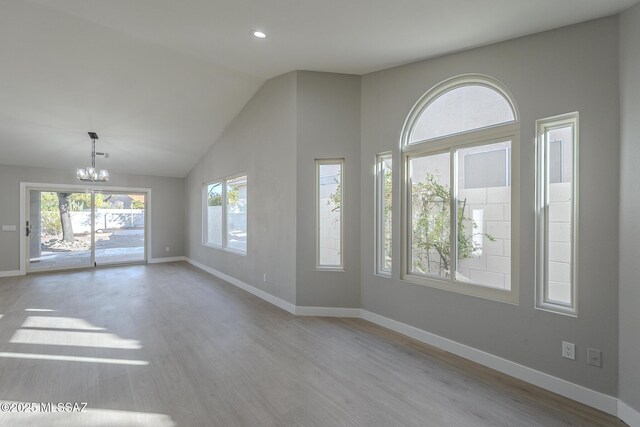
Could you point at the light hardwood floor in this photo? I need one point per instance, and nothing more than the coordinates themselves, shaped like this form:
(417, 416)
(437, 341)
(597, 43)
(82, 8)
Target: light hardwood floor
(168, 344)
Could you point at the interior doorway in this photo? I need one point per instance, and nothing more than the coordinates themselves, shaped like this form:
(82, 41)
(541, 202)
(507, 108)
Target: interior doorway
(67, 228)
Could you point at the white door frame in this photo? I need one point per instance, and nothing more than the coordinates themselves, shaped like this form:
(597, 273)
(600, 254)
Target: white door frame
(27, 186)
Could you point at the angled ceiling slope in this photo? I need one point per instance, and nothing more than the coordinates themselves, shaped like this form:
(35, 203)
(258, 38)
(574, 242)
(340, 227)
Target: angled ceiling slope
(156, 109)
(160, 79)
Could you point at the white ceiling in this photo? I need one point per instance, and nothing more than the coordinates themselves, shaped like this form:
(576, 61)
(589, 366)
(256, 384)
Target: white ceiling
(160, 79)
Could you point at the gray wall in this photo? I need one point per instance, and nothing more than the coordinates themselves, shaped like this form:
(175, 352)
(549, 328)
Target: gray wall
(261, 142)
(328, 128)
(570, 69)
(167, 208)
(629, 206)
(292, 120)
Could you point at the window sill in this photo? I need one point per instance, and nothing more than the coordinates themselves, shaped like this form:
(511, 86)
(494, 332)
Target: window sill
(233, 251)
(385, 274)
(479, 291)
(557, 309)
(334, 269)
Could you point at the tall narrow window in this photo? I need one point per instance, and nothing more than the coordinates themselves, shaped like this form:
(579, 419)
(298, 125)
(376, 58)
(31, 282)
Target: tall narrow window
(459, 143)
(384, 204)
(214, 214)
(329, 214)
(236, 214)
(557, 171)
(225, 214)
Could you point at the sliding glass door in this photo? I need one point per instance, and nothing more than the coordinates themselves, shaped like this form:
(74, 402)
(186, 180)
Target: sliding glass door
(78, 229)
(120, 227)
(59, 230)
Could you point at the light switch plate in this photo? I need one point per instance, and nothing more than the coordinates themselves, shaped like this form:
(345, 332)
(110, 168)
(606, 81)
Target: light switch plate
(594, 357)
(9, 228)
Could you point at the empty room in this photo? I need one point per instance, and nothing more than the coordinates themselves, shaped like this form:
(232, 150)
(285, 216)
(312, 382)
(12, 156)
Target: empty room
(319, 213)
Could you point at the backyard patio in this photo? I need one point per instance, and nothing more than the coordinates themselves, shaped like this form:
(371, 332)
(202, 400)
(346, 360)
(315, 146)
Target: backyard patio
(112, 246)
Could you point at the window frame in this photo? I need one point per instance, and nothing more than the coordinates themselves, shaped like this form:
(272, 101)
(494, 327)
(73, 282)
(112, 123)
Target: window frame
(205, 213)
(542, 214)
(379, 214)
(205, 223)
(318, 163)
(443, 88)
(509, 131)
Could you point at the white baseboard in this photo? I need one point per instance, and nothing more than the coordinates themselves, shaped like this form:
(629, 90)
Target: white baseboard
(595, 399)
(328, 312)
(562, 387)
(11, 273)
(168, 259)
(285, 305)
(627, 414)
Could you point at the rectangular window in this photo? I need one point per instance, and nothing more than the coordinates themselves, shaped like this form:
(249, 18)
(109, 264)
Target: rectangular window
(483, 217)
(557, 229)
(329, 214)
(236, 214)
(384, 204)
(214, 214)
(459, 218)
(429, 216)
(225, 214)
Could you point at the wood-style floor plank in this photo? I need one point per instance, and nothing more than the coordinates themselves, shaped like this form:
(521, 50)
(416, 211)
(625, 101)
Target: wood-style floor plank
(187, 349)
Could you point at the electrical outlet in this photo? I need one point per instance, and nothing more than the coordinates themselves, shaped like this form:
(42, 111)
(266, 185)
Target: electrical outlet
(264, 278)
(167, 249)
(568, 350)
(594, 357)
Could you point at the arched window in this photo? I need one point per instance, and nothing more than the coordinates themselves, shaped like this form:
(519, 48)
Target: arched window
(459, 105)
(458, 146)
(461, 109)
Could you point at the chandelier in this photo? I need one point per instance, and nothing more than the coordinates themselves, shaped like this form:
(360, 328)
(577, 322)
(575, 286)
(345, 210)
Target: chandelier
(91, 173)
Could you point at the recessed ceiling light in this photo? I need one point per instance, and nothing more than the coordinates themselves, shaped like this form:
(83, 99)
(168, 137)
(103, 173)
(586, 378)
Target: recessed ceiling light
(258, 34)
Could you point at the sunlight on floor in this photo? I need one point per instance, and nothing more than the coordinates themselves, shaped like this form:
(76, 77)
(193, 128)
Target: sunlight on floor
(88, 417)
(68, 331)
(59, 323)
(39, 309)
(64, 358)
(72, 338)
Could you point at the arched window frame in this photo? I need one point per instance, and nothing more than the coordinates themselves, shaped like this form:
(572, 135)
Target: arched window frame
(451, 144)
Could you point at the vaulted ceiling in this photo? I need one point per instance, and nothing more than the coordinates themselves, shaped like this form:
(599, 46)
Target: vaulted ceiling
(160, 79)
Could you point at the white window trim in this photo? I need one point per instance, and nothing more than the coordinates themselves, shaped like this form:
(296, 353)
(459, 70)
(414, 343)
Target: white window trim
(542, 215)
(379, 215)
(205, 213)
(446, 86)
(205, 225)
(450, 143)
(319, 162)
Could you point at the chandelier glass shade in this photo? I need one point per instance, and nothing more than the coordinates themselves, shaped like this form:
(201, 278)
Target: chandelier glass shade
(90, 173)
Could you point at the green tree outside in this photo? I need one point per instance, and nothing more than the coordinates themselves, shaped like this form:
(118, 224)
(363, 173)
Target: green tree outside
(431, 245)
